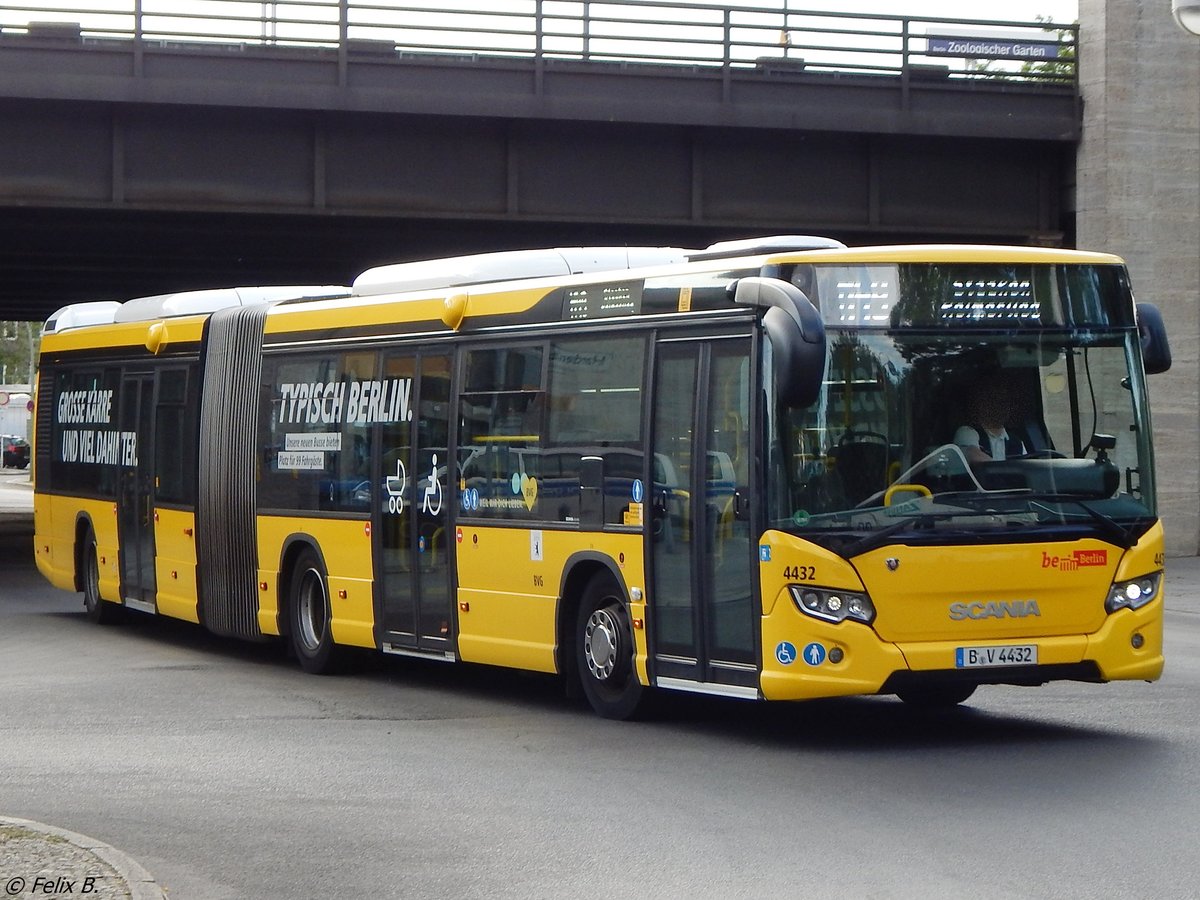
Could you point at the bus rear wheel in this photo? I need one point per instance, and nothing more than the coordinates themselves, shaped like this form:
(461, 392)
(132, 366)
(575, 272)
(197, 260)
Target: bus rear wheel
(309, 616)
(604, 652)
(97, 608)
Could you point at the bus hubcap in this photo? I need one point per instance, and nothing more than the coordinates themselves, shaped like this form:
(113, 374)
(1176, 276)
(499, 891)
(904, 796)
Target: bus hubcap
(601, 644)
(312, 610)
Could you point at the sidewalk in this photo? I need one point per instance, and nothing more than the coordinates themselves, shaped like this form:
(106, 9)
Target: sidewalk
(44, 861)
(39, 860)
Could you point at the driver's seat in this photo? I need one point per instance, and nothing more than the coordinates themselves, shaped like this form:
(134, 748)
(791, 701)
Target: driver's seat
(860, 461)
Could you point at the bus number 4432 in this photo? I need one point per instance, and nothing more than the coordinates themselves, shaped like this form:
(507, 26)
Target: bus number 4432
(800, 573)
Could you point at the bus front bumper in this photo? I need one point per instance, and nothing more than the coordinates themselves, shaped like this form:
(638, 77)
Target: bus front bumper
(805, 658)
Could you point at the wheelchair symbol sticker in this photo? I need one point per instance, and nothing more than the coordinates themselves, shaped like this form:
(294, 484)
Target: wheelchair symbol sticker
(785, 652)
(431, 500)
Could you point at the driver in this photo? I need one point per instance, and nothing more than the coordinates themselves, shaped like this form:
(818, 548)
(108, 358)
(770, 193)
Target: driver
(993, 409)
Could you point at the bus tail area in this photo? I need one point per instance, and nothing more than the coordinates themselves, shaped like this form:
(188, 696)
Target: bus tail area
(771, 470)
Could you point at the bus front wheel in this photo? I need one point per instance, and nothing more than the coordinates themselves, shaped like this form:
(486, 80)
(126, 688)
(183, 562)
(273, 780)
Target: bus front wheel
(309, 612)
(604, 652)
(97, 608)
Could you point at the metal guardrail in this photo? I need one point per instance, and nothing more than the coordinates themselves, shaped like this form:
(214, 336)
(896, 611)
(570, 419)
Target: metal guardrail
(769, 36)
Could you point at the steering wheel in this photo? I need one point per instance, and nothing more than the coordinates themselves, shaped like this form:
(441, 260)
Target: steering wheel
(1043, 454)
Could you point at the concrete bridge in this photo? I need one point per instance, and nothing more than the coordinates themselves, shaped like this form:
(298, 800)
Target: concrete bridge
(146, 153)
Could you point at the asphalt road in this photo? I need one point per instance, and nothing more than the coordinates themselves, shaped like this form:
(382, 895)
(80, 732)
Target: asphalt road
(228, 773)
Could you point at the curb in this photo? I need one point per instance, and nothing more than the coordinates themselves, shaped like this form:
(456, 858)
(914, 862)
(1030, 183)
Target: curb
(140, 883)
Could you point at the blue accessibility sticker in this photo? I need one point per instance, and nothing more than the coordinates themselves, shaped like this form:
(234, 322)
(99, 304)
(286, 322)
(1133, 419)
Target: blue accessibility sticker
(785, 652)
(638, 490)
(764, 552)
(814, 654)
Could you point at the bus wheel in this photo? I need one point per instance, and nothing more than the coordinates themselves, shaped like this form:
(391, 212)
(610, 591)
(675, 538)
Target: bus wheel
(940, 697)
(98, 609)
(308, 609)
(604, 652)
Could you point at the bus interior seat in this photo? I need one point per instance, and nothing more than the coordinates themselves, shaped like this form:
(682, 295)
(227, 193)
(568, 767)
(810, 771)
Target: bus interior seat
(861, 463)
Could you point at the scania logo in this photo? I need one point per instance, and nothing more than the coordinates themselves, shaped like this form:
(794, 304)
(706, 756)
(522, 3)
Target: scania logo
(996, 609)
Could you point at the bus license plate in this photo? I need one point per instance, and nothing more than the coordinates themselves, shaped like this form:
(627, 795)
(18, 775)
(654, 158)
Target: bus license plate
(988, 657)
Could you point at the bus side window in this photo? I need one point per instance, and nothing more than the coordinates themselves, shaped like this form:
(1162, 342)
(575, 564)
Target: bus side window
(175, 438)
(595, 409)
(500, 431)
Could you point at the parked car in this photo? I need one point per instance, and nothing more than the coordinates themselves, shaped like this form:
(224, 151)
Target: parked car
(16, 452)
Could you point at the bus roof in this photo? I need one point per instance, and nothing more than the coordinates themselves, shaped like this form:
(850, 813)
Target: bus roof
(509, 265)
(948, 253)
(182, 303)
(505, 269)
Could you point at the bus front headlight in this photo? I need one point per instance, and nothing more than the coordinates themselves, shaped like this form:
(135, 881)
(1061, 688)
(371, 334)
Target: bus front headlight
(833, 606)
(1133, 594)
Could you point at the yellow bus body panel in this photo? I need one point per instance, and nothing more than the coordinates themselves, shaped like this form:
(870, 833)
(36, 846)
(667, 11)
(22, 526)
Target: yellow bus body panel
(920, 620)
(345, 546)
(867, 661)
(946, 253)
(54, 520)
(175, 564)
(508, 600)
(388, 309)
(53, 554)
(915, 599)
(161, 333)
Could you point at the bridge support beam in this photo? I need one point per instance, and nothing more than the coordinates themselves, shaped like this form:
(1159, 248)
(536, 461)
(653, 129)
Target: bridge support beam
(1139, 197)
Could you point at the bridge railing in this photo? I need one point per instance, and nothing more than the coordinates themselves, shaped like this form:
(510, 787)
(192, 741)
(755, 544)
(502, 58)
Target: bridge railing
(769, 37)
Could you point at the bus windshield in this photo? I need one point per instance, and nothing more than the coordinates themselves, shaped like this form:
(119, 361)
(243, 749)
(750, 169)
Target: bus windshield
(894, 446)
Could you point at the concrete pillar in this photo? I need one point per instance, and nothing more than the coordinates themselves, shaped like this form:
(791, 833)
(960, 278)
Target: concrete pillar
(1138, 195)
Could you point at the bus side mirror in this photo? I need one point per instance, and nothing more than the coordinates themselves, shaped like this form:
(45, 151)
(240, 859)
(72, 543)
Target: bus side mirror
(797, 336)
(1156, 352)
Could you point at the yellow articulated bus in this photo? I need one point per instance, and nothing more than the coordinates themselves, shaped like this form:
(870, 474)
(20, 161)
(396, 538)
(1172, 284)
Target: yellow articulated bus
(761, 470)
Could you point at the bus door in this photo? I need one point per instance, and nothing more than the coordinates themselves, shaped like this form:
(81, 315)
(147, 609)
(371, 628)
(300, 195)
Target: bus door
(418, 482)
(130, 449)
(702, 594)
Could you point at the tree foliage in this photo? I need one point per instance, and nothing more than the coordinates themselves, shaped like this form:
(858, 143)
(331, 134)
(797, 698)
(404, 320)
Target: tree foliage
(18, 351)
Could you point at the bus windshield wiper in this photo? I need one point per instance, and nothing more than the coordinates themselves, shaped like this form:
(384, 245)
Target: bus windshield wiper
(879, 537)
(973, 499)
(1119, 534)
